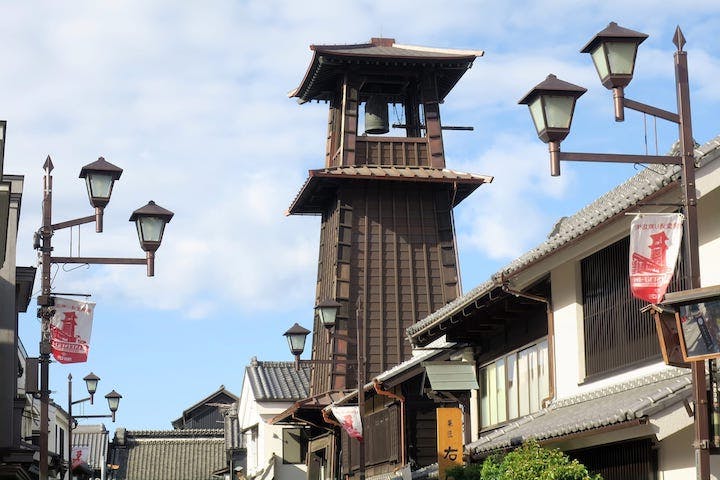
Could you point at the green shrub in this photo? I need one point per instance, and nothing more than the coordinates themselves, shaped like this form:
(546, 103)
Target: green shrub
(529, 462)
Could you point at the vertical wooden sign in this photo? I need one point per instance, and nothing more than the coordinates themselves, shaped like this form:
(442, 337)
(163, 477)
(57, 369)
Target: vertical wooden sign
(449, 439)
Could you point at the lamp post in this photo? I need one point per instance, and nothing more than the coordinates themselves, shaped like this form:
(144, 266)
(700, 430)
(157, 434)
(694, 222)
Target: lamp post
(99, 177)
(327, 311)
(613, 51)
(91, 382)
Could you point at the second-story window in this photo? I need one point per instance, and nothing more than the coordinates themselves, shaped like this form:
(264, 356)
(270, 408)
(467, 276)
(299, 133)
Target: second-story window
(617, 334)
(514, 384)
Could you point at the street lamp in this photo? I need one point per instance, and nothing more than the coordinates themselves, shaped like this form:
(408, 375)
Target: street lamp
(150, 222)
(296, 336)
(99, 178)
(613, 51)
(327, 311)
(91, 382)
(552, 104)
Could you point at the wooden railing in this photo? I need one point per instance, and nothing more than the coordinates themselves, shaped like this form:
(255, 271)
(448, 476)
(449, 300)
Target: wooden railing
(399, 151)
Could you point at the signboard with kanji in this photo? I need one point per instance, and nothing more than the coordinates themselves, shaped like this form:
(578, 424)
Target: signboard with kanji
(449, 439)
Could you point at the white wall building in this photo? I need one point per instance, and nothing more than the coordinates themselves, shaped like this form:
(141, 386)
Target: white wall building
(564, 354)
(268, 389)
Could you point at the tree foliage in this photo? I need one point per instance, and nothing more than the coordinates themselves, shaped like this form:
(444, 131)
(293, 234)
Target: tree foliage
(530, 461)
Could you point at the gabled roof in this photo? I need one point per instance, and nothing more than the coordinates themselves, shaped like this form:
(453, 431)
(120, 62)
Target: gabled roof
(331, 61)
(278, 381)
(168, 454)
(615, 203)
(220, 396)
(322, 184)
(623, 404)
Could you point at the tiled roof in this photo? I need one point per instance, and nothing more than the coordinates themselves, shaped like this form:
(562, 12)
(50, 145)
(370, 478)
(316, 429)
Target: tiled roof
(168, 454)
(331, 61)
(614, 203)
(614, 405)
(388, 48)
(321, 184)
(95, 437)
(278, 381)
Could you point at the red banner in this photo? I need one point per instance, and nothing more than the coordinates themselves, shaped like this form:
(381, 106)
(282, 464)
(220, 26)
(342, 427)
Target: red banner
(70, 329)
(654, 247)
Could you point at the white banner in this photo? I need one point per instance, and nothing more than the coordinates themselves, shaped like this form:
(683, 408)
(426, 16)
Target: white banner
(80, 454)
(654, 247)
(349, 418)
(70, 329)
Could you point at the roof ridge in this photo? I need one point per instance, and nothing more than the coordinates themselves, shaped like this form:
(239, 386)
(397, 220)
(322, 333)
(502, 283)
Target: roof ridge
(189, 432)
(649, 379)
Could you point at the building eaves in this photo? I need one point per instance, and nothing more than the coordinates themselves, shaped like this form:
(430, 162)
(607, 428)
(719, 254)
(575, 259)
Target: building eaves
(622, 198)
(622, 403)
(329, 62)
(312, 404)
(388, 377)
(278, 381)
(321, 184)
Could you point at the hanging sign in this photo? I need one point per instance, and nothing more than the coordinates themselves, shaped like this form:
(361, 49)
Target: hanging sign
(654, 248)
(70, 329)
(349, 418)
(449, 439)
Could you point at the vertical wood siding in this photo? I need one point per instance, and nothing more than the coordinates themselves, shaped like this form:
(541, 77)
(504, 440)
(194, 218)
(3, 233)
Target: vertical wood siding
(388, 252)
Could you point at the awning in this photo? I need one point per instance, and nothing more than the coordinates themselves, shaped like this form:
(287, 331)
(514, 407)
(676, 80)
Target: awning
(309, 409)
(631, 403)
(451, 375)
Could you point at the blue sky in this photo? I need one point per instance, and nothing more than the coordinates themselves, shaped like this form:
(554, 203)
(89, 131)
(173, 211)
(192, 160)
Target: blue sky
(189, 98)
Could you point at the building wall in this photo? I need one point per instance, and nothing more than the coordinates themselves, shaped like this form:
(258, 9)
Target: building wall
(8, 318)
(387, 253)
(676, 459)
(676, 455)
(267, 448)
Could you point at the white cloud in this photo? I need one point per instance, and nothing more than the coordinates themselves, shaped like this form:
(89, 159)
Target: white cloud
(506, 217)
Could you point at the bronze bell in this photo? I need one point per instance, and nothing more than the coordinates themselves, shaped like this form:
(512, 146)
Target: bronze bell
(376, 116)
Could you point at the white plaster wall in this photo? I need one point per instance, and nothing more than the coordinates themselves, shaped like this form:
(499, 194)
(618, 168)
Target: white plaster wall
(676, 456)
(567, 315)
(709, 226)
(269, 445)
(272, 443)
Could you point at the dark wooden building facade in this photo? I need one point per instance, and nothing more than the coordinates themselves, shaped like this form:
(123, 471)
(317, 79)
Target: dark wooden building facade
(387, 242)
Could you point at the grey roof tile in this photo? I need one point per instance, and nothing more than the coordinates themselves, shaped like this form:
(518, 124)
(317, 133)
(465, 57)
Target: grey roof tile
(168, 454)
(278, 381)
(615, 404)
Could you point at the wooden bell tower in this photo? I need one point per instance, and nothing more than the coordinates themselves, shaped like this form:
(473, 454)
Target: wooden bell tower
(387, 240)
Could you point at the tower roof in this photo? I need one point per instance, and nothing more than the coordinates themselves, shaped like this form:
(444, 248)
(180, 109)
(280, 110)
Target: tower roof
(321, 184)
(384, 56)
